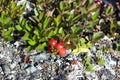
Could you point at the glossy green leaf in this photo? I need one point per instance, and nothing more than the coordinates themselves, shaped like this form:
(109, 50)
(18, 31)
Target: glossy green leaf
(41, 15)
(50, 34)
(101, 61)
(32, 42)
(42, 40)
(61, 31)
(89, 44)
(61, 5)
(36, 12)
(18, 27)
(89, 68)
(118, 47)
(32, 19)
(108, 10)
(28, 27)
(57, 20)
(118, 23)
(26, 37)
(112, 26)
(36, 32)
(41, 47)
(90, 26)
(29, 48)
(76, 29)
(95, 15)
(90, 1)
(8, 32)
(13, 5)
(46, 22)
(76, 18)
(9, 38)
(82, 41)
(97, 36)
(79, 50)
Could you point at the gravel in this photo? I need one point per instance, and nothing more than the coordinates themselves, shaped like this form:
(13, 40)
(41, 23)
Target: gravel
(46, 66)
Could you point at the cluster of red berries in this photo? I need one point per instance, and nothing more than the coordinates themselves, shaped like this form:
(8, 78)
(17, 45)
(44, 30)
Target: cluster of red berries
(54, 45)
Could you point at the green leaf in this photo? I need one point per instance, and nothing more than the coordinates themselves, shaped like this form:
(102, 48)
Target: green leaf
(61, 5)
(118, 47)
(18, 27)
(90, 1)
(82, 41)
(46, 22)
(28, 27)
(41, 15)
(41, 47)
(26, 37)
(42, 40)
(76, 30)
(89, 68)
(9, 38)
(61, 31)
(36, 32)
(89, 45)
(50, 34)
(84, 12)
(57, 20)
(29, 48)
(79, 50)
(21, 19)
(97, 36)
(95, 16)
(112, 26)
(101, 61)
(36, 12)
(90, 26)
(32, 42)
(87, 65)
(118, 23)
(108, 10)
(75, 18)
(40, 25)
(7, 33)
(32, 19)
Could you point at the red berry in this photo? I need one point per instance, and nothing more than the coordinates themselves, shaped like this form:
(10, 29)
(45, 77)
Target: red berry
(59, 46)
(50, 49)
(62, 52)
(52, 42)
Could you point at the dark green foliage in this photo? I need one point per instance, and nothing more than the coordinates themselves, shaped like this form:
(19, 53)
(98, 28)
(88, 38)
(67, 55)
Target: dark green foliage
(62, 20)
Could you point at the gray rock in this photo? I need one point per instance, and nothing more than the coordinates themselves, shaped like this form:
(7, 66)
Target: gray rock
(5, 68)
(31, 70)
(41, 56)
(13, 65)
(0, 69)
(70, 57)
(58, 62)
(39, 67)
(23, 66)
(48, 62)
(53, 57)
(18, 59)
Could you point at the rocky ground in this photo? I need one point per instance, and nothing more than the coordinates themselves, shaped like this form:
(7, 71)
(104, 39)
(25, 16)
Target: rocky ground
(46, 66)
(17, 64)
